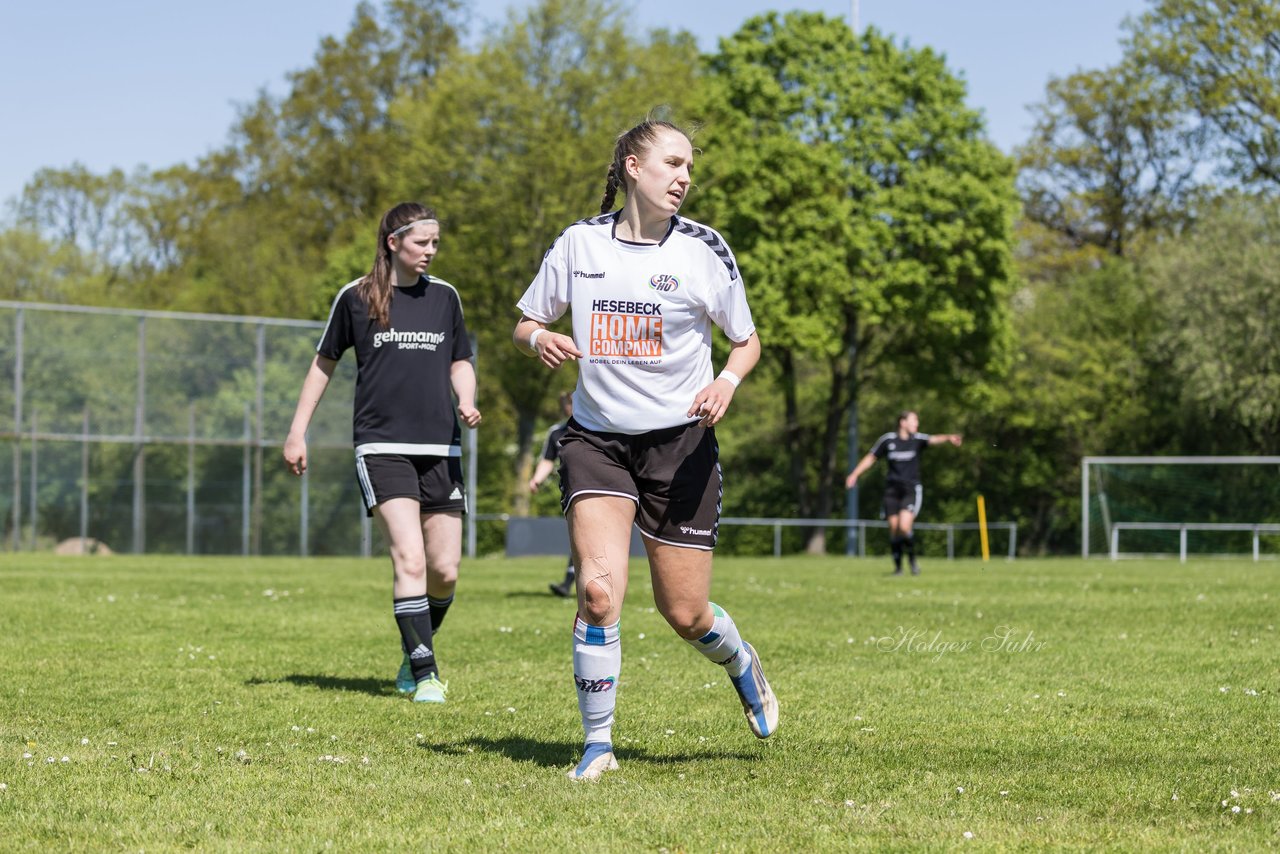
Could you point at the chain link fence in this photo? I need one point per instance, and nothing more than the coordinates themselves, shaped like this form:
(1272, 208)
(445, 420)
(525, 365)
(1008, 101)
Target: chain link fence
(151, 431)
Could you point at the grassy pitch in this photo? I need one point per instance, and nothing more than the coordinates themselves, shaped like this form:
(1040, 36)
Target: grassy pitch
(224, 704)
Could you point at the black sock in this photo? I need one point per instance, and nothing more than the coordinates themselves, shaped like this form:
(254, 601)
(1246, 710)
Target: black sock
(569, 573)
(413, 617)
(910, 542)
(896, 543)
(439, 607)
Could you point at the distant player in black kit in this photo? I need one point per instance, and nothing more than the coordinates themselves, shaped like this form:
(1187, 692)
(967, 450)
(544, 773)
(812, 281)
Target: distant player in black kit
(412, 357)
(903, 492)
(547, 464)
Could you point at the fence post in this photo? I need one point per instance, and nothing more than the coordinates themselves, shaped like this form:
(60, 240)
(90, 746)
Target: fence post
(18, 370)
(304, 498)
(139, 447)
(84, 483)
(1013, 540)
(1255, 543)
(191, 478)
(260, 356)
(777, 539)
(1182, 545)
(35, 478)
(1115, 543)
(245, 484)
(951, 542)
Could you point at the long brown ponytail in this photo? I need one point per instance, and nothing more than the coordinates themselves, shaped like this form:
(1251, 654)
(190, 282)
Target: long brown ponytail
(375, 288)
(636, 142)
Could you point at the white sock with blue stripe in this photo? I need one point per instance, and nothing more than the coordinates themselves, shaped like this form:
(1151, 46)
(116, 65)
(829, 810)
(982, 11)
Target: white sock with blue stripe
(723, 644)
(597, 659)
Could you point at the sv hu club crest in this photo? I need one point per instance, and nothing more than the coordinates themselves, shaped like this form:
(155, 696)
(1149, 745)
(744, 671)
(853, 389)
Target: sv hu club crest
(664, 283)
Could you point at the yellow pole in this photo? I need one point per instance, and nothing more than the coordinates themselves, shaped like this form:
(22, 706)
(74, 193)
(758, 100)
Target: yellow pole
(982, 529)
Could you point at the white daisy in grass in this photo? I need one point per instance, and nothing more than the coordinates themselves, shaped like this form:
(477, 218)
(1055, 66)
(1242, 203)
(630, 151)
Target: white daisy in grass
(50, 761)
(4, 787)
(1224, 689)
(1235, 808)
(511, 710)
(640, 636)
(66, 759)
(26, 756)
(84, 741)
(1175, 796)
(1251, 692)
(670, 732)
(506, 630)
(959, 790)
(968, 834)
(1275, 796)
(1004, 793)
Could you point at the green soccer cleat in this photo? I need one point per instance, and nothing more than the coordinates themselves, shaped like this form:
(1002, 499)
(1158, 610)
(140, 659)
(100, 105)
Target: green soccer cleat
(405, 683)
(431, 690)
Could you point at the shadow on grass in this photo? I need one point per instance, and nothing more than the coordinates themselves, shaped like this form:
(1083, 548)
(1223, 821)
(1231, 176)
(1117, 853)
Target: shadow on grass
(374, 687)
(556, 754)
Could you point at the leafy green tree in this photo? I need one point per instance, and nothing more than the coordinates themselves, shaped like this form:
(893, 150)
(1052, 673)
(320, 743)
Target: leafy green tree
(870, 216)
(511, 144)
(1222, 57)
(1111, 156)
(1219, 289)
(1082, 382)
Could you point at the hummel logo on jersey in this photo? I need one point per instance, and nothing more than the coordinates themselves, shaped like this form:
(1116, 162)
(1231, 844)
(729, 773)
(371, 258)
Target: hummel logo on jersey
(456, 494)
(593, 686)
(423, 651)
(664, 283)
(685, 529)
(902, 455)
(583, 274)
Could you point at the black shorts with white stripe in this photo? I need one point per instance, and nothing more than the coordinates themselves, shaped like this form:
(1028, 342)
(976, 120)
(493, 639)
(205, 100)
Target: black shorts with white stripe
(435, 482)
(672, 474)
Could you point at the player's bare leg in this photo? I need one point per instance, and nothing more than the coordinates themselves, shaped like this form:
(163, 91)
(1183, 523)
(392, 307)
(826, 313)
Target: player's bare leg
(600, 535)
(681, 585)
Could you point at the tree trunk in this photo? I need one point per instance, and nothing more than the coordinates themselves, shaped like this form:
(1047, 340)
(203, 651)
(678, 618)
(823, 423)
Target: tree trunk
(520, 498)
(795, 435)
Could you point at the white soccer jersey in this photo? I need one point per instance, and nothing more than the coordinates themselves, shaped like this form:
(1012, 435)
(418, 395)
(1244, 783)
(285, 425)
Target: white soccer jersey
(642, 316)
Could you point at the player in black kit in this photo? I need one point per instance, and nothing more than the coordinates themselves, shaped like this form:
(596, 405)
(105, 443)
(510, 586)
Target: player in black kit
(903, 492)
(547, 464)
(412, 357)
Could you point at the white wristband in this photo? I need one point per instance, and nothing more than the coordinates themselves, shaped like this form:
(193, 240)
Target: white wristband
(730, 377)
(533, 337)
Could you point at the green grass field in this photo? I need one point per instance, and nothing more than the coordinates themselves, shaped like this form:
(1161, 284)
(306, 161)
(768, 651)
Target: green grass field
(226, 704)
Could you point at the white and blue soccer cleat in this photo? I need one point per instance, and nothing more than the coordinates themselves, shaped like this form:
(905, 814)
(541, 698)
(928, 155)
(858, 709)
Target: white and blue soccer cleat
(597, 758)
(758, 702)
(405, 683)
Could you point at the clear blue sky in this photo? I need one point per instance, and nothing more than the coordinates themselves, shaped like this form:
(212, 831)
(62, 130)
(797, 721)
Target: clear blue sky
(144, 82)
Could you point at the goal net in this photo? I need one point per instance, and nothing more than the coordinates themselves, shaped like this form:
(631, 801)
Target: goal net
(1189, 505)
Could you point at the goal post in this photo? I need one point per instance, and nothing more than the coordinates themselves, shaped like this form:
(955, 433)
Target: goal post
(1149, 494)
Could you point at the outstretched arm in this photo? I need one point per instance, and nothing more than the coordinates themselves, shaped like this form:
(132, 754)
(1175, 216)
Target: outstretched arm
(295, 444)
(939, 438)
(859, 470)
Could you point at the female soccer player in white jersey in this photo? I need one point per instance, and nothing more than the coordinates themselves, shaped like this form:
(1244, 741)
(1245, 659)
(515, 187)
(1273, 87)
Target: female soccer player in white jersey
(644, 285)
(412, 357)
(903, 492)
